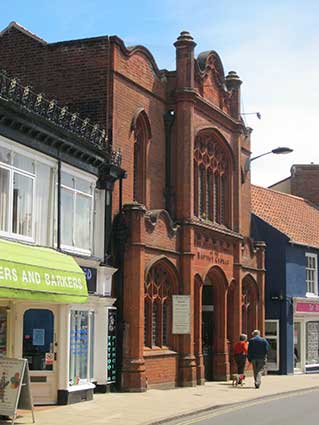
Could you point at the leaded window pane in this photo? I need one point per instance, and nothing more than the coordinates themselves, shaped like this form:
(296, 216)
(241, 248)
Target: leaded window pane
(209, 196)
(201, 191)
(154, 324)
(216, 198)
(165, 324)
(222, 199)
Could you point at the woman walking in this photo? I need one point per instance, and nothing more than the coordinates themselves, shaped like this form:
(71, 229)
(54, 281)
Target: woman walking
(241, 351)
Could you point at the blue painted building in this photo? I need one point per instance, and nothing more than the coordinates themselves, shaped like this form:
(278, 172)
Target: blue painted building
(290, 227)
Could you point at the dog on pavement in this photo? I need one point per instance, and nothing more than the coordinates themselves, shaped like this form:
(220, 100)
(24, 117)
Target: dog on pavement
(238, 379)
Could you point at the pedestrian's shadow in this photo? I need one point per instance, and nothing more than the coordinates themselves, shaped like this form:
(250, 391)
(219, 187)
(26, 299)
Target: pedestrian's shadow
(238, 387)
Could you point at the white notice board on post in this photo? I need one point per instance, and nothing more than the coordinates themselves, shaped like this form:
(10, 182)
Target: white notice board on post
(181, 314)
(15, 389)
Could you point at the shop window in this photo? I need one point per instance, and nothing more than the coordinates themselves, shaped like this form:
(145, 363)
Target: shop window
(272, 336)
(81, 347)
(312, 344)
(3, 331)
(77, 196)
(311, 274)
(157, 308)
(211, 181)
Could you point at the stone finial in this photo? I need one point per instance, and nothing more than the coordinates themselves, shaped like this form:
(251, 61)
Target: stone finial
(233, 81)
(185, 37)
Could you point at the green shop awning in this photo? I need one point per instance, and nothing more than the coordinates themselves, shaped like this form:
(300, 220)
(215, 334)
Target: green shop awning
(40, 274)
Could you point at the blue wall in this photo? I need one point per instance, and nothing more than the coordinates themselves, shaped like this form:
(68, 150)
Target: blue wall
(295, 287)
(276, 245)
(286, 276)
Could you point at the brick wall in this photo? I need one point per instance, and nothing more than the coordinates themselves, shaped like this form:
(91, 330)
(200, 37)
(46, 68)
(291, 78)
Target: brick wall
(305, 181)
(161, 369)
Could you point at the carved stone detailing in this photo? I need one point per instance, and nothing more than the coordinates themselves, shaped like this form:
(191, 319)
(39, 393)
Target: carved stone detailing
(205, 241)
(152, 217)
(23, 96)
(209, 63)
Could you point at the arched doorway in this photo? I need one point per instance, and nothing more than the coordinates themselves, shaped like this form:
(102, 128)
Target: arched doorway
(214, 325)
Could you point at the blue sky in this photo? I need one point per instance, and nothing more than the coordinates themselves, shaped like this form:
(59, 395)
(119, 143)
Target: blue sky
(272, 44)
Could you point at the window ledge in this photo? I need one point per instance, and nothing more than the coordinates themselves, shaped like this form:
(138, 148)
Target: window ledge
(153, 352)
(311, 295)
(80, 387)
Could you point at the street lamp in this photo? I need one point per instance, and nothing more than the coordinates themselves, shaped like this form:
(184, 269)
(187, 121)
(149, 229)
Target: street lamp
(277, 151)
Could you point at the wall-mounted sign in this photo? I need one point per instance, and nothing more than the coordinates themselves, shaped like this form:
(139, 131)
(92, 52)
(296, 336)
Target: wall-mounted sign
(111, 345)
(90, 275)
(306, 307)
(181, 314)
(49, 359)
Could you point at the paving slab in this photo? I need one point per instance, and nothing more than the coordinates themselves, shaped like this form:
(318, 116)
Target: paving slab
(155, 406)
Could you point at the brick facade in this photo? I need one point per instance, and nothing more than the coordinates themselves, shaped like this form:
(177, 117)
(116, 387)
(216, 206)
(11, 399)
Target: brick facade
(156, 117)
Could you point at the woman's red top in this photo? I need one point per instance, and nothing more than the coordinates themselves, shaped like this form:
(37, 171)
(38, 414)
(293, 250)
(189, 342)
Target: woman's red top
(241, 347)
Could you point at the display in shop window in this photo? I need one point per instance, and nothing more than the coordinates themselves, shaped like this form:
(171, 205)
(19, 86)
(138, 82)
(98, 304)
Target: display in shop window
(312, 343)
(3, 331)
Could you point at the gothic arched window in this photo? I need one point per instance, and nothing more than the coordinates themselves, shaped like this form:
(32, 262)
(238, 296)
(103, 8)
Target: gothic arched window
(212, 180)
(157, 307)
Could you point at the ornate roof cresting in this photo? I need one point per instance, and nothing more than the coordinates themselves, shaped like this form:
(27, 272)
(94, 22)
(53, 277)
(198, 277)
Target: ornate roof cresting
(12, 90)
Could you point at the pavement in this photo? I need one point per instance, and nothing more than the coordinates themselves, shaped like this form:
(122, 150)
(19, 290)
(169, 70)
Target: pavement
(156, 406)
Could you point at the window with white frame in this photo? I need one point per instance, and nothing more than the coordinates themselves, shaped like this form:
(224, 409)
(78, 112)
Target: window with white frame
(17, 188)
(81, 347)
(77, 196)
(272, 336)
(26, 195)
(311, 274)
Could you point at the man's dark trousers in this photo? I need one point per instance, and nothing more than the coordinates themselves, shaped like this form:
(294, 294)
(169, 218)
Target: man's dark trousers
(258, 366)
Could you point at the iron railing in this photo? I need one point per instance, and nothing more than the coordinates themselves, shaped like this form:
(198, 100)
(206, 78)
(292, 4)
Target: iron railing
(11, 89)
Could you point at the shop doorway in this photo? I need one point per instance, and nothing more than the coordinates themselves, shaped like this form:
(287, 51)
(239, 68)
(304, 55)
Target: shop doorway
(208, 331)
(39, 347)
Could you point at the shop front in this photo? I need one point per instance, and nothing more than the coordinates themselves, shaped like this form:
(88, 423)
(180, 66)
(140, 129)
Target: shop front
(306, 335)
(38, 287)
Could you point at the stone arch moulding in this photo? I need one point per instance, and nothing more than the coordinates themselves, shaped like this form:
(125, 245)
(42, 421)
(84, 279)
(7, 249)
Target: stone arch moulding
(198, 279)
(249, 278)
(162, 259)
(208, 60)
(219, 272)
(140, 113)
(220, 138)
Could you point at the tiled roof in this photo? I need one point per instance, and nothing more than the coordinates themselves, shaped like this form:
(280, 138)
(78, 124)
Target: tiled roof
(293, 216)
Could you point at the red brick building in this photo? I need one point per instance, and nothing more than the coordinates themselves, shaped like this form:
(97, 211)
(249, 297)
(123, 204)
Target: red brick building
(186, 198)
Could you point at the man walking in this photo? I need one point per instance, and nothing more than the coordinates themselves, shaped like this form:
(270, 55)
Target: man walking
(257, 354)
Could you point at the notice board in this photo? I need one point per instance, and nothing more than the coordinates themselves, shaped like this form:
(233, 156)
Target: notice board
(15, 389)
(181, 314)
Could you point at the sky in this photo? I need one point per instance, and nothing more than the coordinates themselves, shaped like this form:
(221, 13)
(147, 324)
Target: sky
(271, 44)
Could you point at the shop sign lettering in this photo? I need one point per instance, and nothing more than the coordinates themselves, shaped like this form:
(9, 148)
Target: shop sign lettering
(34, 278)
(307, 307)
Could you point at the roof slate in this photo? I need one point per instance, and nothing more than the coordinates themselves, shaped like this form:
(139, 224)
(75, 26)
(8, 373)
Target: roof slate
(293, 216)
